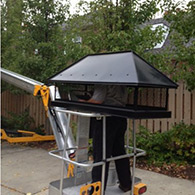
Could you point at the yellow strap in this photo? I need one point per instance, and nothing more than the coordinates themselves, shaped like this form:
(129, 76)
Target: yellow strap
(70, 170)
(44, 91)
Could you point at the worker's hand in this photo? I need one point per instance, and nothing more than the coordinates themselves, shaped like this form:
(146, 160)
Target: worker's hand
(90, 101)
(81, 100)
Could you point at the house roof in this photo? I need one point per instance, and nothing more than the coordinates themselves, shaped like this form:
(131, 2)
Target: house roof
(118, 68)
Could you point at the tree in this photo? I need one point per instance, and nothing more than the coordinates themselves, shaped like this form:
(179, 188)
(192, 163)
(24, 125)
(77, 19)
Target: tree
(182, 21)
(108, 26)
(39, 39)
(11, 32)
(34, 43)
(121, 25)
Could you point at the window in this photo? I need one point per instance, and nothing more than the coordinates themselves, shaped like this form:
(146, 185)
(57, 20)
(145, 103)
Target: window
(165, 34)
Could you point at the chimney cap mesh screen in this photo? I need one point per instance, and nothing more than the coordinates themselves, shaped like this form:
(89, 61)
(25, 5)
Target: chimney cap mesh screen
(150, 98)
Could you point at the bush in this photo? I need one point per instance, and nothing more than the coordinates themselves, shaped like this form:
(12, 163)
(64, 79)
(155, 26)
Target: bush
(174, 146)
(22, 121)
(182, 143)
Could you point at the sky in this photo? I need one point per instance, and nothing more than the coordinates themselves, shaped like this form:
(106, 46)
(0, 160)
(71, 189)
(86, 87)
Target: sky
(73, 5)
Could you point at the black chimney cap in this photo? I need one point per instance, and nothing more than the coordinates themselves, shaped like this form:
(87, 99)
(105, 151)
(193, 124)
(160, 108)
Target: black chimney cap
(117, 68)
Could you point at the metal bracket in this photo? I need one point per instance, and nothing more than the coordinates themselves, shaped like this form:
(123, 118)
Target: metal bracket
(44, 91)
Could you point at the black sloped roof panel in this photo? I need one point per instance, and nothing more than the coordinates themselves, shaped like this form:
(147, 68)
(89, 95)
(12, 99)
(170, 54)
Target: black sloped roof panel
(119, 68)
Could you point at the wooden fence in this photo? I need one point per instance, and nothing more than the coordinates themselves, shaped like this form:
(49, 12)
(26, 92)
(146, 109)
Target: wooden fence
(19, 103)
(181, 104)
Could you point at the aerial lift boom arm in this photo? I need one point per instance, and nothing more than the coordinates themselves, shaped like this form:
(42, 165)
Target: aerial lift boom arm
(57, 120)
